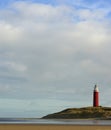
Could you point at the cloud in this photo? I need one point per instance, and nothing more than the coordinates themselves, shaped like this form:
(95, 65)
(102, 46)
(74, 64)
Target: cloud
(9, 31)
(49, 43)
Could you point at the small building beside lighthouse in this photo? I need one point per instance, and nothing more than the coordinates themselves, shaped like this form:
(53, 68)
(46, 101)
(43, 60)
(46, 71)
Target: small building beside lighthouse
(96, 96)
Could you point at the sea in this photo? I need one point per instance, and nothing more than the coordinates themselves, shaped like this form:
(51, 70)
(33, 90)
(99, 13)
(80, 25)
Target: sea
(54, 121)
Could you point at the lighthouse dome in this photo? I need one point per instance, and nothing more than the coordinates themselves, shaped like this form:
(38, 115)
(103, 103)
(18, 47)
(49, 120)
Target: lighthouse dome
(96, 88)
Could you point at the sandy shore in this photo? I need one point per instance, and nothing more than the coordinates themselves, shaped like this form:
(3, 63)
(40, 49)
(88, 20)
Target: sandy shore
(53, 127)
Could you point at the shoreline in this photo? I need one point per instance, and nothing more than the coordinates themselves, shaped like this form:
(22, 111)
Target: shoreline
(53, 127)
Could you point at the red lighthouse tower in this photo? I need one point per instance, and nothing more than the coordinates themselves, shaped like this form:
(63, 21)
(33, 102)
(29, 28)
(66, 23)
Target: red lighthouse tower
(96, 96)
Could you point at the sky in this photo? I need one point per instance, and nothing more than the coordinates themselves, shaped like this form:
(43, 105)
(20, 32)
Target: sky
(52, 53)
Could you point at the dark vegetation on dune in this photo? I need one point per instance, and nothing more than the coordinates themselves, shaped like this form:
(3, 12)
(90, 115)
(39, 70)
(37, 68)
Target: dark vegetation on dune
(82, 113)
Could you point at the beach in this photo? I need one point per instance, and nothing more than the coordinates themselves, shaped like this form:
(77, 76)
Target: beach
(52, 127)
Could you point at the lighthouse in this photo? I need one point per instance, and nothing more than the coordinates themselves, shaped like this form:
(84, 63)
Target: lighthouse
(95, 96)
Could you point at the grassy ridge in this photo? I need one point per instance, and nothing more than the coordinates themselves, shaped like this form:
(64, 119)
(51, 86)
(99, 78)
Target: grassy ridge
(82, 113)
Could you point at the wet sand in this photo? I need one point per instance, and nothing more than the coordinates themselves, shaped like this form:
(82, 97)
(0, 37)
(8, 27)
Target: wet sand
(53, 127)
